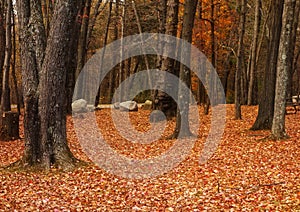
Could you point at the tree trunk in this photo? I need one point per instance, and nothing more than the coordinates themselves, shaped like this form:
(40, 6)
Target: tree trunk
(47, 9)
(213, 49)
(294, 55)
(9, 126)
(141, 31)
(161, 13)
(101, 87)
(5, 98)
(121, 62)
(254, 52)
(182, 117)
(54, 147)
(30, 76)
(163, 101)
(93, 21)
(284, 67)
(266, 104)
(82, 46)
(240, 61)
(113, 75)
(116, 36)
(44, 96)
(72, 65)
(13, 65)
(2, 44)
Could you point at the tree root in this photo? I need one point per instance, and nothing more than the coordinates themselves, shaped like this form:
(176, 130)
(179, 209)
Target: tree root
(60, 166)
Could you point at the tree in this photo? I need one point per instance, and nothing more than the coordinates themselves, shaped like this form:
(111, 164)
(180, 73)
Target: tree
(212, 22)
(5, 98)
(82, 44)
(182, 119)
(2, 42)
(163, 101)
(266, 102)
(284, 67)
(44, 81)
(254, 51)
(240, 60)
(294, 54)
(97, 99)
(73, 58)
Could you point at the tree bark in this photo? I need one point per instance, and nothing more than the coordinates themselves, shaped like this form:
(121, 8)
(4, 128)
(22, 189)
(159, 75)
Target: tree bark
(13, 65)
(182, 117)
(121, 62)
(101, 87)
(72, 60)
(54, 147)
(254, 52)
(44, 90)
(161, 13)
(93, 20)
(30, 76)
(240, 61)
(2, 43)
(82, 46)
(294, 54)
(266, 104)
(141, 31)
(163, 101)
(5, 98)
(113, 75)
(213, 49)
(284, 67)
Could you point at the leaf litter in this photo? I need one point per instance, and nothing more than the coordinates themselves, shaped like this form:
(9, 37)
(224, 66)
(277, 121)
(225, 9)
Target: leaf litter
(247, 172)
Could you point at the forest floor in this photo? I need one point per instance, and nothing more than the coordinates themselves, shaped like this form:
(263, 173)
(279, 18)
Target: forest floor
(247, 172)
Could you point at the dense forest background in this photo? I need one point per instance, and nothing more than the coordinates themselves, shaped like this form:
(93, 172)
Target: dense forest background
(215, 33)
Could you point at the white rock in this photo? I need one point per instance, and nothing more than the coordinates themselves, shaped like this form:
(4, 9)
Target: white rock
(79, 106)
(129, 106)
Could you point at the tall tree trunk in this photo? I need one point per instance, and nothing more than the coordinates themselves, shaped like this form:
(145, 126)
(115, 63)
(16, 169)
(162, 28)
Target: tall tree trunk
(284, 67)
(266, 104)
(163, 101)
(73, 56)
(82, 46)
(252, 61)
(44, 90)
(141, 31)
(294, 54)
(30, 76)
(113, 75)
(182, 117)
(13, 65)
(5, 98)
(161, 13)
(240, 61)
(121, 64)
(213, 49)
(54, 147)
(2, 43)
(116, 36)
(101, 87)
(39, 32)
(93, 20)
